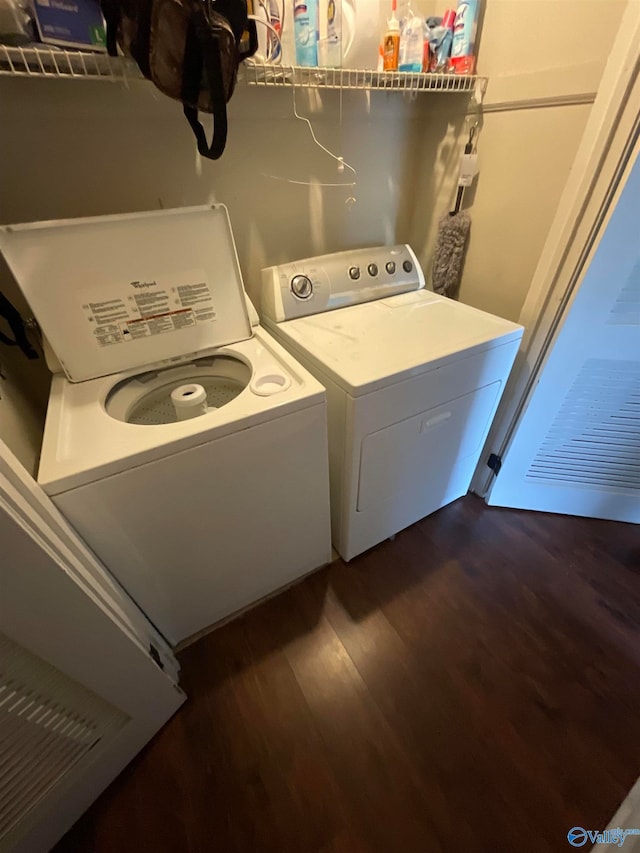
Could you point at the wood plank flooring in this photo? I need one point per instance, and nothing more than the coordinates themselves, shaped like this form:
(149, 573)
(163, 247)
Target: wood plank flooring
(473, 685)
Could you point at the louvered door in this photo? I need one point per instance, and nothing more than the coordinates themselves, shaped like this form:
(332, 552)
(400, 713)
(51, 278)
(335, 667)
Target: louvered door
(576, 449)
(80, 693)
(48, 723)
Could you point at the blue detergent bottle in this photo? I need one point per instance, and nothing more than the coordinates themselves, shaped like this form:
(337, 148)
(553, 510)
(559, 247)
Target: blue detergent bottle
(305, 30)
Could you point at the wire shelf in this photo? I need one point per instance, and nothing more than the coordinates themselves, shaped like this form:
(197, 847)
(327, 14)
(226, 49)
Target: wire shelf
(44, 61)
(257, 74)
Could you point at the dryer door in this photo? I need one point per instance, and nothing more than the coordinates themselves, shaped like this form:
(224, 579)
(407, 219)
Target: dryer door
(429, 458)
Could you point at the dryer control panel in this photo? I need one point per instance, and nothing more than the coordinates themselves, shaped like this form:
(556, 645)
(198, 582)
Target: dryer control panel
(314, 285)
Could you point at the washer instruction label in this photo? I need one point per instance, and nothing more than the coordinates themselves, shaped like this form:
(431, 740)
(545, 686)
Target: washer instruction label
(152, 306)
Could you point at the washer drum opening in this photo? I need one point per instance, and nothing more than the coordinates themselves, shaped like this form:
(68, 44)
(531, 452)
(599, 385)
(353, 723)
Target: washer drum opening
(145, 399)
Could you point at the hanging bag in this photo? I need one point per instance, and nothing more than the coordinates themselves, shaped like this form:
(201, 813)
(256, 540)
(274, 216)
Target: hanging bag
(190, 49)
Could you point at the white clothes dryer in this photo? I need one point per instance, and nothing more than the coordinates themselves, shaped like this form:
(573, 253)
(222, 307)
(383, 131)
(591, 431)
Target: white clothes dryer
(185, 445)
(413, 380)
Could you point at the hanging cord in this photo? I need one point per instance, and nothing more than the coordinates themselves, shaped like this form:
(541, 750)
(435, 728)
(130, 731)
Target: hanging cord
(274, 35)
(468, 149)
(342, 163)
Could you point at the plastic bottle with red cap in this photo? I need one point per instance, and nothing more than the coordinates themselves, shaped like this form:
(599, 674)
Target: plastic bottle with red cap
(391, 41)
(463, 58)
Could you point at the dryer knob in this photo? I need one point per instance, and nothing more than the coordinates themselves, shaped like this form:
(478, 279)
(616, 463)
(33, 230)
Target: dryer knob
(407, 266)
(301, 286)
(354, 273)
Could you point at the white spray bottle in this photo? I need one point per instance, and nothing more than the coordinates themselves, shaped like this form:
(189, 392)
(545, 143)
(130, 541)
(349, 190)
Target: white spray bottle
(412, 36)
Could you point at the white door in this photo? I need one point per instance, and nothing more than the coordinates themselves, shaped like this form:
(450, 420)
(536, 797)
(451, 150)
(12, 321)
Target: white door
(85, 681)
(576, 448)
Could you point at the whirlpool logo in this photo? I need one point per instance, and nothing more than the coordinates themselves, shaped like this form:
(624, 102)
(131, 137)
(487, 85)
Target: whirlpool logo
(578, 837)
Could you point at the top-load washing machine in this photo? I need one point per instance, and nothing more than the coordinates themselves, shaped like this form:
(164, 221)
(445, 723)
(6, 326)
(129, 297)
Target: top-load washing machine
(413, 380)
(184, 444)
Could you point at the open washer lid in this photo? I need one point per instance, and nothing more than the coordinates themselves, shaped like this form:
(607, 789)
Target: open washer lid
(113, 293)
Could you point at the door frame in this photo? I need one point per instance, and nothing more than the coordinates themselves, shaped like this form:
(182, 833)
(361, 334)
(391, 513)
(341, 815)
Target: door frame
(607, 148)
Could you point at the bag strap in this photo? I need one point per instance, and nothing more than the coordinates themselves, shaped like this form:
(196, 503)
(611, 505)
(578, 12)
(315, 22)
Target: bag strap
(141, 44)
(251, 44)
(201, 49)
(16, 324)
(111, 13)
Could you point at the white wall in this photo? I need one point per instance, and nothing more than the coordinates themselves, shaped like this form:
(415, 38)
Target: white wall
(83, 148)
(526, 156)
(534, 52)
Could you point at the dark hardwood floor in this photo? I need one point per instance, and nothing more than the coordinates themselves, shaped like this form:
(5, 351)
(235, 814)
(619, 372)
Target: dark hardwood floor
(473, 685)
